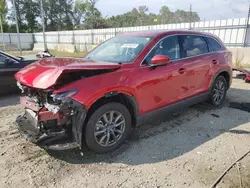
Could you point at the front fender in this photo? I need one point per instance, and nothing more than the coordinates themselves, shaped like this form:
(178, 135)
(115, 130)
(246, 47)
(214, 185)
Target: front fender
(107, 92)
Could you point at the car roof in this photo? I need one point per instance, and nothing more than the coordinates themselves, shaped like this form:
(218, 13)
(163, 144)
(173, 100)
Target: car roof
(155, 33)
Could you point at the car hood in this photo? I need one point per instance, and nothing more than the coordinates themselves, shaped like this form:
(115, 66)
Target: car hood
(44, 73)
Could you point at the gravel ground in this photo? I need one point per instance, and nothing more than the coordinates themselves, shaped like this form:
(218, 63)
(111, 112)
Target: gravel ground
(188, 149)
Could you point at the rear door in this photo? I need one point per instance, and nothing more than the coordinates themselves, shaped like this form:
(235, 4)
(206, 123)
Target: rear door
(197, 62)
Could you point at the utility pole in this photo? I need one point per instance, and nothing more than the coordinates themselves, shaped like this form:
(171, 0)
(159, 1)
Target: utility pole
(17, 28)
(247, 27)
(1, 25)
(190, 17)
(44, 37)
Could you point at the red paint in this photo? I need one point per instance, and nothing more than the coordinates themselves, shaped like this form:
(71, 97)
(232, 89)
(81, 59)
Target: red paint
(160, 59)
(152, 87)
(45, 115)
(44, 73)
(28, 104)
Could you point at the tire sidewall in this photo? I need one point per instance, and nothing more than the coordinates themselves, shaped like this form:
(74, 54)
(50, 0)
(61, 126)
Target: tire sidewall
(220, 78)
(90, 127)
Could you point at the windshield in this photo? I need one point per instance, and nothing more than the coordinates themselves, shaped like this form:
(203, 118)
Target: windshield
(121, 49)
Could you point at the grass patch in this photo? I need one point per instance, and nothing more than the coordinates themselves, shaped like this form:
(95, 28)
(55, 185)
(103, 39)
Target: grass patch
(238, 61)
(242, 65)
(66, 54)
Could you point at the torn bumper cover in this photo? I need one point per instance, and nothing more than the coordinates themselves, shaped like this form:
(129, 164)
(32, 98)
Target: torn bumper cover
(245, 74)
(55, 131)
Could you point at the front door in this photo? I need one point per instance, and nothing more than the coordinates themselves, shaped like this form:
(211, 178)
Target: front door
(160, 86)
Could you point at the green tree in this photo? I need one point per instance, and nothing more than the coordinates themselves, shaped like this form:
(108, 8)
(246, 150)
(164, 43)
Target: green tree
(58, 14)
(69, 14)
(91, 16)
(143, 14)
(30, 11)
(79, 10)
(27, 12)
(20, 17)
(181, 16)
(3, 13)
(165, 16)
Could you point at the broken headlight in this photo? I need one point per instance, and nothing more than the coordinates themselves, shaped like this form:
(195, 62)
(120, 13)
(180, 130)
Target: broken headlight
(63, 96)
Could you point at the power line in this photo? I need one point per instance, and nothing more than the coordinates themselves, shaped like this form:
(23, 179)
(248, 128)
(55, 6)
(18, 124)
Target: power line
(190, 17)
(17, 28)
(42, 14)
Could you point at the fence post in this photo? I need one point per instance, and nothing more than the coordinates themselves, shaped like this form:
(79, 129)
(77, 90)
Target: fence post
(247, 28)
(33, 41)
(58, 37)
(224, 38)
(10, 38)
(73, 40)
(92, 37)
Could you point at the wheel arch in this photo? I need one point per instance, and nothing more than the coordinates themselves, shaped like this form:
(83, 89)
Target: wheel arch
(225, 73)
(123, 97)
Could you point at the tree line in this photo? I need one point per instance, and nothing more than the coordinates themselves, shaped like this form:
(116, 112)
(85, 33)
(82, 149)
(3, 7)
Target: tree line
(81, 14)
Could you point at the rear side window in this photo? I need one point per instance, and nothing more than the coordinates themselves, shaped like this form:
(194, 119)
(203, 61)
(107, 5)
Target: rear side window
(213, 45)
(194, 45)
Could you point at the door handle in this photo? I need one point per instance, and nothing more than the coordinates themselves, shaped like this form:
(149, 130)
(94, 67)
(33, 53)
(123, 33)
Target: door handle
(215, 62)
(181, 70)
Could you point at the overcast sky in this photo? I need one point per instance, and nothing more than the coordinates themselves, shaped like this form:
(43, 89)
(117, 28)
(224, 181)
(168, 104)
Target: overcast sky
(207, 9)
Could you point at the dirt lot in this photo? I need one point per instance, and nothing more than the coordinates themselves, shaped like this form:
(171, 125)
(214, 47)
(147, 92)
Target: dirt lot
(189, 149)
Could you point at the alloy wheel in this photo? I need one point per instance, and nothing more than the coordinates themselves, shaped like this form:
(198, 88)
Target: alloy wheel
(109, 128)
(219, 92)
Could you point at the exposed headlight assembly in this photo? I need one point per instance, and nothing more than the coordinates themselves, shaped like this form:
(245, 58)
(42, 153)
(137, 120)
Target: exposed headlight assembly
(63, 96)
(59, 100)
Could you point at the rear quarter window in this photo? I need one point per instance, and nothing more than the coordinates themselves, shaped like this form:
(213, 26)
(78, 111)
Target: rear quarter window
(213, 44)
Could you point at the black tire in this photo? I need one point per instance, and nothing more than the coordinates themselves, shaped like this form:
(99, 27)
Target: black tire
(212, 98)
(90, 130)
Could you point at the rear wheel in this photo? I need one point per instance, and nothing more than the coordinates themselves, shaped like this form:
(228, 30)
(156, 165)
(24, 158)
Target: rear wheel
(218, 91)
(108, 127)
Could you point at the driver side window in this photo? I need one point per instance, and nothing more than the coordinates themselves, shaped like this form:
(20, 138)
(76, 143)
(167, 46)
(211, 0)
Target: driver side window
(169, 46)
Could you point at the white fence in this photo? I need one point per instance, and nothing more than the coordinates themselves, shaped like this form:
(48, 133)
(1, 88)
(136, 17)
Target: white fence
(11, 39)
(233, 32)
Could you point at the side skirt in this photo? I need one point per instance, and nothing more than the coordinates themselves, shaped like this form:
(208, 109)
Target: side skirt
(172, 108)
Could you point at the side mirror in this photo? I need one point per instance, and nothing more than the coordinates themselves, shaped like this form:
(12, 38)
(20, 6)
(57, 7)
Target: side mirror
(159, 60)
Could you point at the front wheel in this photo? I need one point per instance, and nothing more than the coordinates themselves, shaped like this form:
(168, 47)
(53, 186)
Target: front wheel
(108, 127)
(218, 91)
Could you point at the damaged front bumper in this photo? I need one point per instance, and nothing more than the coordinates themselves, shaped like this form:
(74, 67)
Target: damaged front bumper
(55, 131)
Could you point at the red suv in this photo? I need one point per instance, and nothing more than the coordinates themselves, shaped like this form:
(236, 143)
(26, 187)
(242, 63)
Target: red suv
(98, 99)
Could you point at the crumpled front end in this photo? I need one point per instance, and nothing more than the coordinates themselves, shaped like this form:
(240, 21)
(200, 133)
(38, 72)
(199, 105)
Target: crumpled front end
(52, 121)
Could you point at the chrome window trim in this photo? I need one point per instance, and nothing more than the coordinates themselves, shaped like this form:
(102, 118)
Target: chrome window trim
(199, 35)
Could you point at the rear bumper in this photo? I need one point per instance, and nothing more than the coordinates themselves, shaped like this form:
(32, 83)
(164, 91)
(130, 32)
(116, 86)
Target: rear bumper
(60, 140)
